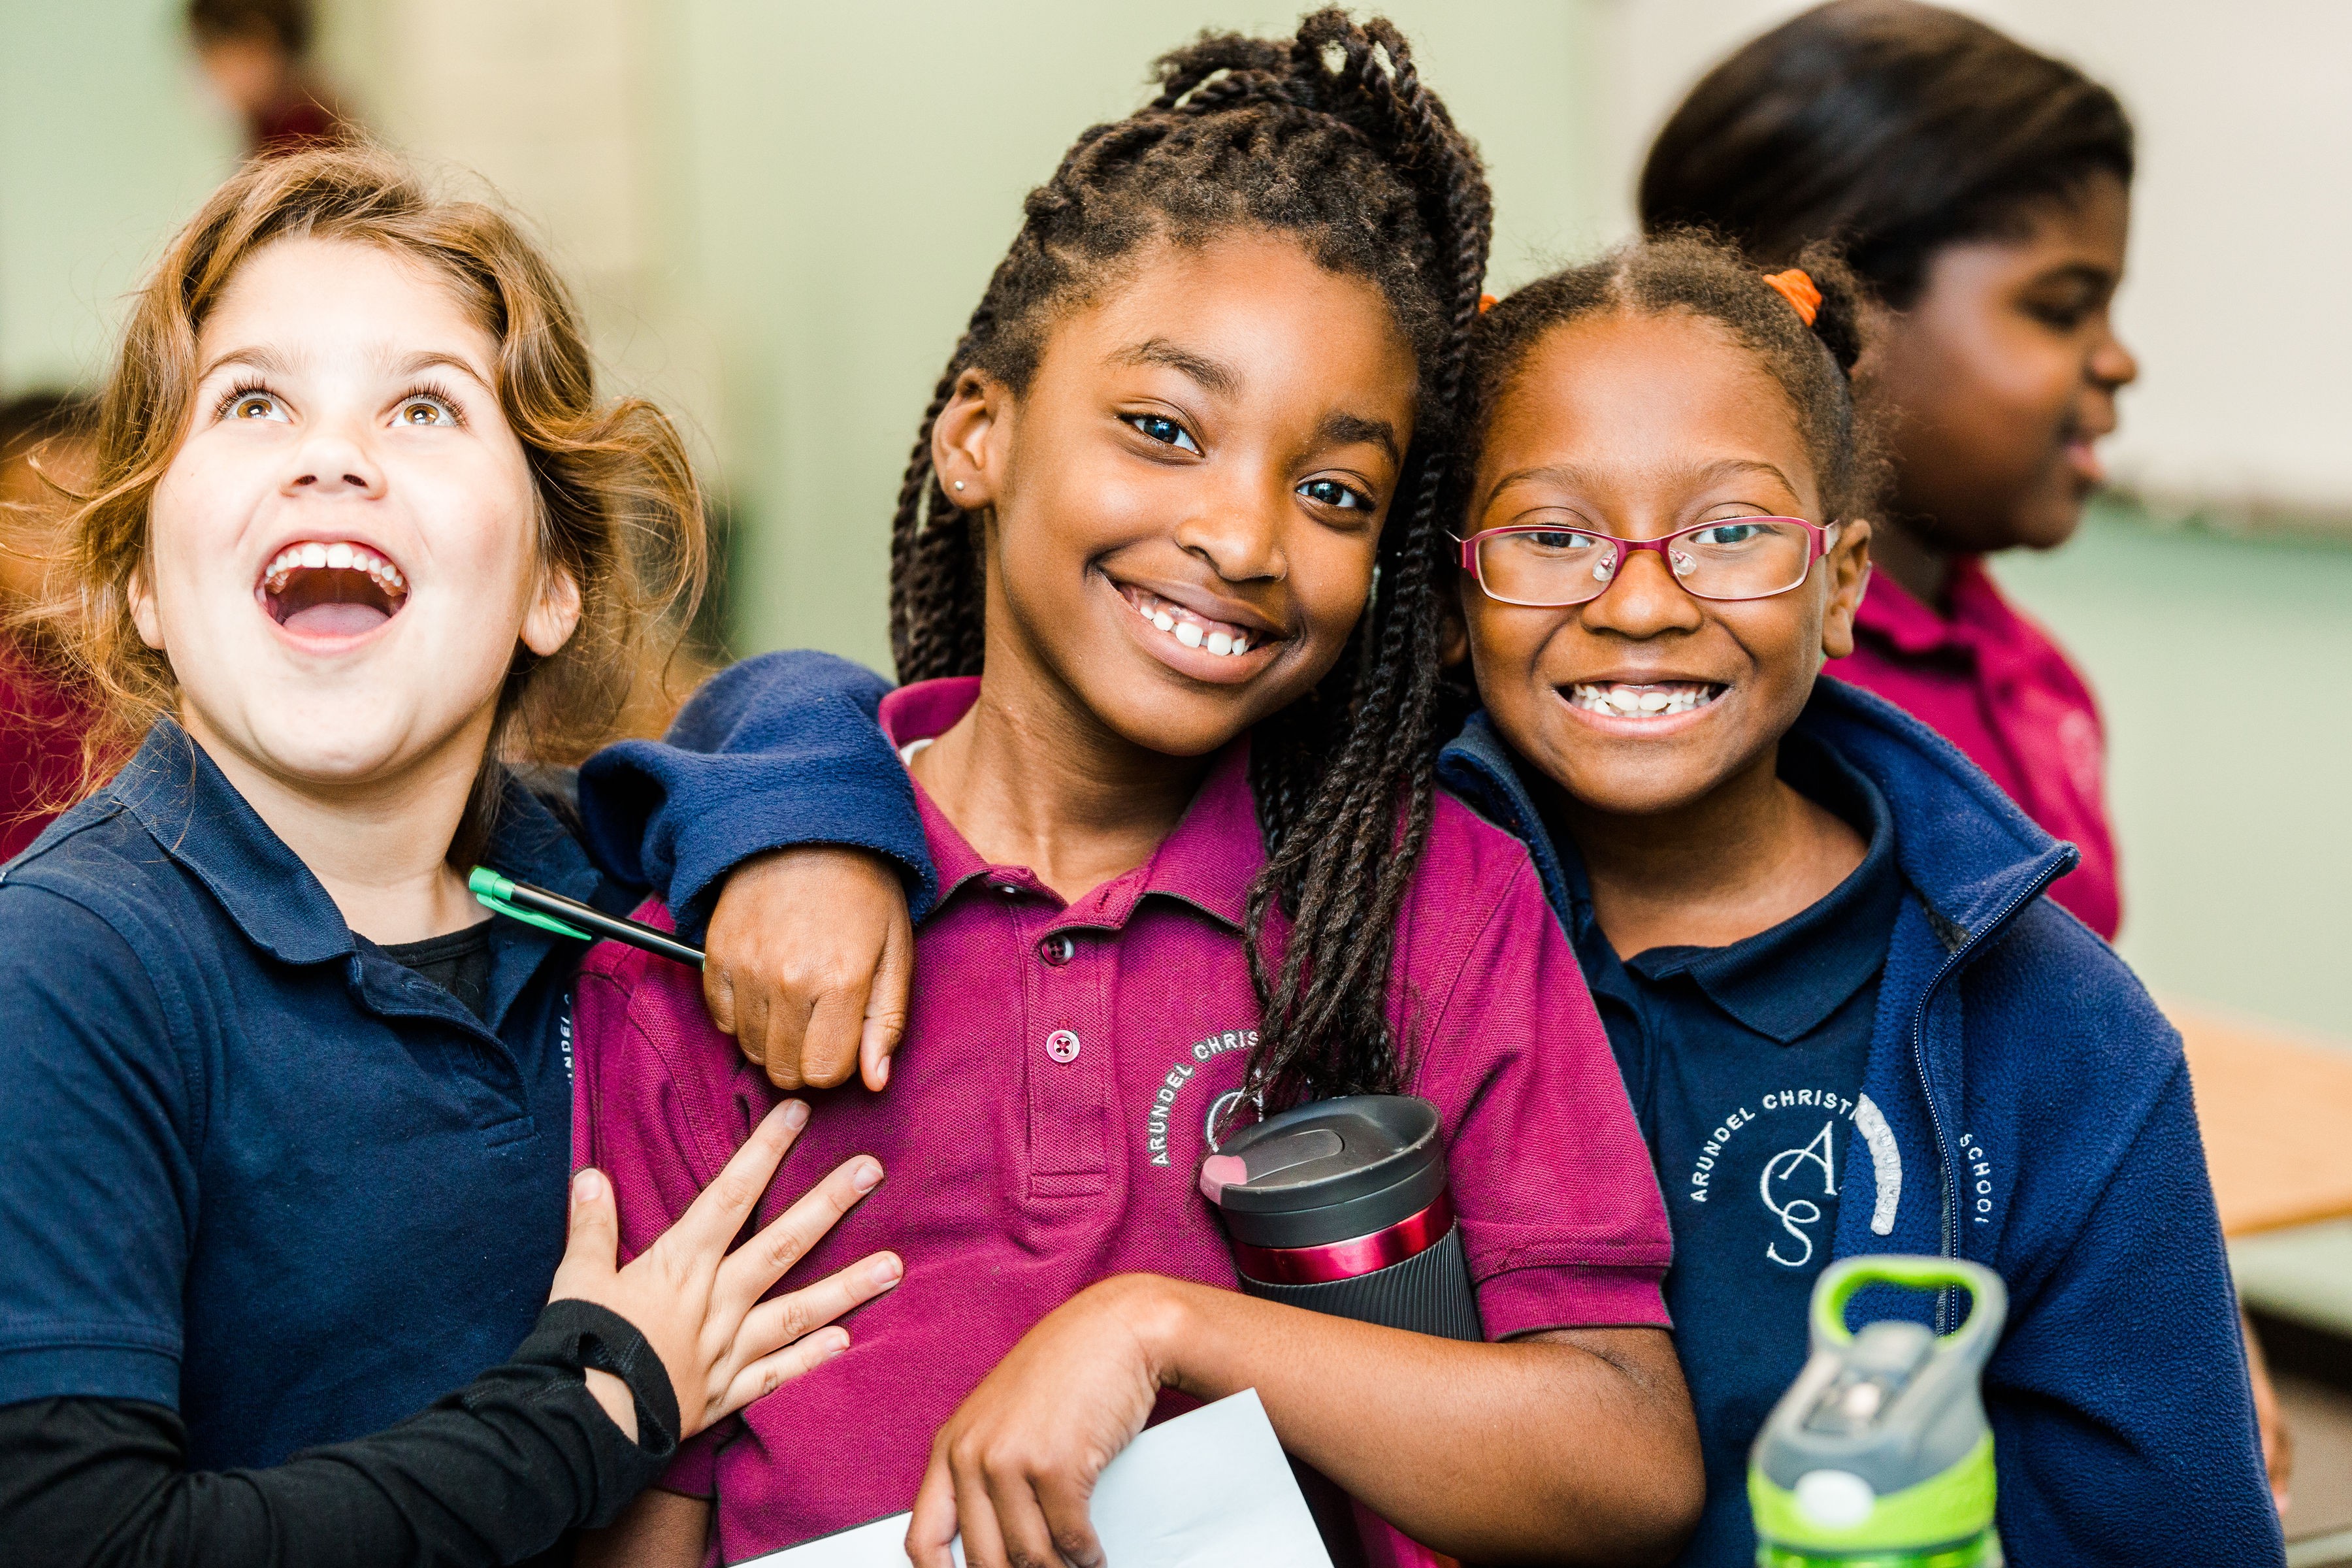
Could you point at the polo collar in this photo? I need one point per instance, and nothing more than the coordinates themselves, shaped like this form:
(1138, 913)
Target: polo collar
(1208, 862)
(1483, 771)
(1890, 613)
(179, 795)
(1977, 613)
(182, 799)
(1784, 983)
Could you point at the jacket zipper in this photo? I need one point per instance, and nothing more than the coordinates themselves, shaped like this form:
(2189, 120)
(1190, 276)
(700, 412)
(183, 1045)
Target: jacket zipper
(1950, 1244)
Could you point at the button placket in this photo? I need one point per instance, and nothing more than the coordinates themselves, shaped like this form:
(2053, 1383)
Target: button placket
(1069, 1072)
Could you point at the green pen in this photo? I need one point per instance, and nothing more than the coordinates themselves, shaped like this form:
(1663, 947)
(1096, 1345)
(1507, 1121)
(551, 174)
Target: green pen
(570, 916)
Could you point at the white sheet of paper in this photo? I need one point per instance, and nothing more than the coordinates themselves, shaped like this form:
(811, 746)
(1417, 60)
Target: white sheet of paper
(1208, 1489)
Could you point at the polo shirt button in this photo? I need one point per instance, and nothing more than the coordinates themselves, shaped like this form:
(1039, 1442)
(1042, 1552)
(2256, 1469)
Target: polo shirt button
(1057, 950)
(1010, 889)
(1061, 1046)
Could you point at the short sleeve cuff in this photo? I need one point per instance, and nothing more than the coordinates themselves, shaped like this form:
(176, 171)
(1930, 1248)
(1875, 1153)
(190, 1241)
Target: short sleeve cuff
(1532, 1299)
(150, 1374)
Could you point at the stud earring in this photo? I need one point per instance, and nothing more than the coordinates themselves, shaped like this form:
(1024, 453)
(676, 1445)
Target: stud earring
(958, 484)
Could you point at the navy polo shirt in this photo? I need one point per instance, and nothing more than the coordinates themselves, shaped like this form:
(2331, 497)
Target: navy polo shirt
(257, 1170)
(1745, 1064)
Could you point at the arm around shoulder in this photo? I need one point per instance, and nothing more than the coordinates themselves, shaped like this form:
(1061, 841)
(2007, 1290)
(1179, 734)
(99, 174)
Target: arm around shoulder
(781, 830)
(778, 751)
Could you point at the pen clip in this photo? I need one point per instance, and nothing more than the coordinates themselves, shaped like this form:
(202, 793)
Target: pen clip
(493, 893)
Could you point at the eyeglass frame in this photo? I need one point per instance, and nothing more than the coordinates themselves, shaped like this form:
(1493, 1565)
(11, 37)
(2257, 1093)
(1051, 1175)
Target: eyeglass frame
(1817, 545)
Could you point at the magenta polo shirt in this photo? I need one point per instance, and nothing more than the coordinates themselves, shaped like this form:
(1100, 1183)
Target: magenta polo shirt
(1045, 1122)
(1994, 684)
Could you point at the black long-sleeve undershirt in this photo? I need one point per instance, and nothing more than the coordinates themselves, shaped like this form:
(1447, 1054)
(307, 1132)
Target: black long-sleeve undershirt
(494, 1474)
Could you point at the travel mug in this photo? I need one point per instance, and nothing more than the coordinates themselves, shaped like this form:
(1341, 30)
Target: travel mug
(1341, 1206)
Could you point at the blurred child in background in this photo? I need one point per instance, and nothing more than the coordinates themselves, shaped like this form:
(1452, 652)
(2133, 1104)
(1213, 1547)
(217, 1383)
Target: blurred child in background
(42, 459)
(1982, 193)
(257, 55)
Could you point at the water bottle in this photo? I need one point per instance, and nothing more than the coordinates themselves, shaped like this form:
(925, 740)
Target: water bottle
(1341, 1206)
(1879, 1454)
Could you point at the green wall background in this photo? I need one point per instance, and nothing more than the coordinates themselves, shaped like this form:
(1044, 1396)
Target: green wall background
(106, 140)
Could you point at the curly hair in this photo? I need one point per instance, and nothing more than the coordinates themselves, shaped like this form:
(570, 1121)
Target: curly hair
(1328, 138)
(1695, 273)
(617, 502)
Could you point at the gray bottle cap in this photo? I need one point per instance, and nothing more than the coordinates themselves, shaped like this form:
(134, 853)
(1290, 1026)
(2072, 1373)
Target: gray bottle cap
(1328, 1172)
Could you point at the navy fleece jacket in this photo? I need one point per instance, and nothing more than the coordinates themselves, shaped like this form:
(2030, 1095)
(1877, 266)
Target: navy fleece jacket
(2033, 1115)
(2035, 1105)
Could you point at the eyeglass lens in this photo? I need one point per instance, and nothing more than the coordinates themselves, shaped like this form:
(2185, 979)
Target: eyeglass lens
(1743, 558)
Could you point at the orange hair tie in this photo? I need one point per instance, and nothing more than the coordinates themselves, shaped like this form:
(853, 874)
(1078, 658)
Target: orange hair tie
(1796, 286)
(1486, 303)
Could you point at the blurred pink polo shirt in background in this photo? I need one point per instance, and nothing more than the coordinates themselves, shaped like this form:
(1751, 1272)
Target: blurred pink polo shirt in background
(1995, 684)
(1045, 1121)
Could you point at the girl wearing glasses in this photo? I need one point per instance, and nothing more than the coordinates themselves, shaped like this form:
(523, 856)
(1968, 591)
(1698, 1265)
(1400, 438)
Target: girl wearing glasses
(1850, 1019)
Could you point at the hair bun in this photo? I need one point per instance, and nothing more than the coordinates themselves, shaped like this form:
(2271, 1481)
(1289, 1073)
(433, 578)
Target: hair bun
(1838, 317)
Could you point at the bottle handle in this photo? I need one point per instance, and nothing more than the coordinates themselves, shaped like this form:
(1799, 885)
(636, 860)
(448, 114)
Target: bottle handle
(1973, 1338)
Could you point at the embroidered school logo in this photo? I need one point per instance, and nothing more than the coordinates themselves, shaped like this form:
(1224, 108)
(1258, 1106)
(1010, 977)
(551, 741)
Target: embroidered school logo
(1798, 1185)
(1171, 1090)
(1789, 1174)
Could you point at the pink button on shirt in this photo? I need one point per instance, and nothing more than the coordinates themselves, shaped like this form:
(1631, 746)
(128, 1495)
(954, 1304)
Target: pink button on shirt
(1994, 684)
(1045, 1124)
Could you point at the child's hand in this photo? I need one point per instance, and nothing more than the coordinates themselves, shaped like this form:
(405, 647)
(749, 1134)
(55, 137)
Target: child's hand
(1014, 1465)
(808, 963)
(699, 1305)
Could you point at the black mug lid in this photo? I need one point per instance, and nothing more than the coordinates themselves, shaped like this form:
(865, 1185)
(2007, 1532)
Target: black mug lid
(1323, 1160)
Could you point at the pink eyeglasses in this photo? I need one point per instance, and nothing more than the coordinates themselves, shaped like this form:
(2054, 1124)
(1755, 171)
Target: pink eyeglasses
(1551, 565)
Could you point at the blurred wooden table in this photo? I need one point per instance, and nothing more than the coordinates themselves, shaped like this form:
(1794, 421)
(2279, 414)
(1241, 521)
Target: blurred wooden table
(2276, 1114)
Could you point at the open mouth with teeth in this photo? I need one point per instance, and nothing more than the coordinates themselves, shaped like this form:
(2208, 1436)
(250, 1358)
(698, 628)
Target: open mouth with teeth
(338, 590)
(1657, 699)
(1194, 630)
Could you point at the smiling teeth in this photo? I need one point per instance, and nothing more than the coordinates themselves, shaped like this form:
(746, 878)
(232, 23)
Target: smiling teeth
(340, 556)
(1662, 699)
(1188, 628)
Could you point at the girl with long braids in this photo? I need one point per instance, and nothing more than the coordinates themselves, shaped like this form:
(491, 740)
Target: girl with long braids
(1166, 589)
